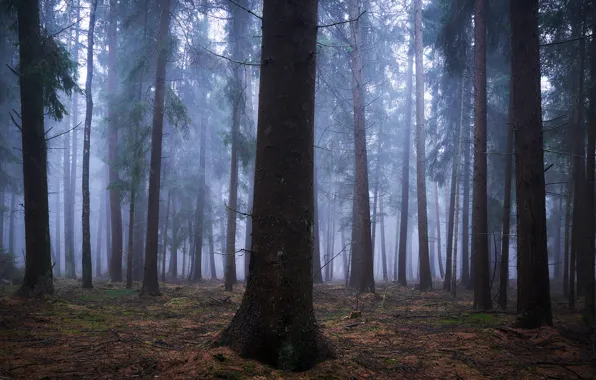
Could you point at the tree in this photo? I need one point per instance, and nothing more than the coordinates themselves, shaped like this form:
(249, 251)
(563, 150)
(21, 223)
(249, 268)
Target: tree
(38, 259)
(405, 171)
(362, 276)
(87, 263)
(200, 213)
(150, 284)
(115, 206)
(425, 276)
(482, 297)
(533, 287)
(275, 323)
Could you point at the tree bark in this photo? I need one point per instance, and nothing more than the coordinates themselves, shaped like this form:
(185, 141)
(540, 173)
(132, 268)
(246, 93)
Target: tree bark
(438, 221)
(11, 237)
(465, 219)
(362, 254)
(115, 206)
(86, 249)
(590, 281)
(173, 268)
(200, 216)
(38, 260)
(150, 284)
(533, 287)
(482, 296)
(425, 276)
(165, 238)
(504, 273)
(405, 172)
(131, 223)
(275, 323)
(99, 238)
(567, 225)
(383, 248)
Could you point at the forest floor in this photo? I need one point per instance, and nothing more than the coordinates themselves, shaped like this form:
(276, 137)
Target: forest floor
(110, 332)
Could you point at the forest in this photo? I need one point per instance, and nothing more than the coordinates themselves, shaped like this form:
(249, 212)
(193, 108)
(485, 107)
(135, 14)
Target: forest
(284, 189)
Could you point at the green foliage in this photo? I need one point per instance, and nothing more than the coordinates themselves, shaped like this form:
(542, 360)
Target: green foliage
(8, 268)
(176, 111)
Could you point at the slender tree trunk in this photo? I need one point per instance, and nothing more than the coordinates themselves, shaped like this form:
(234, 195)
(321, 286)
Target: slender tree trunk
(86, 249)
(405, 171)
(383, 249)
(317, 276)
(58, 259)
(11, 228)
(504, 280)
(482, 296)
(131, 223)
(200, 216)
(212, 272)
(248, 229)
(165, 238)
(465, 219)
(99, 239)
(139, 231)
(396, 253)
(558, 253)
(567, 225)
(281, 265)
(345, 257)
(425, 277)
(533, 287)
(175, 241)
(439, 244)
(115, 206)
(3, 207)
(38, 260)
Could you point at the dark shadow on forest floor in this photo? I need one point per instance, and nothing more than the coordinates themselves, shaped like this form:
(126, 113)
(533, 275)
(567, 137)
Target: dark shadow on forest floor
(111, 333)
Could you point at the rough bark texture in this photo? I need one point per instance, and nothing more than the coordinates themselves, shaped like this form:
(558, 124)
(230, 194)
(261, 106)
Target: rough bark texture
(405, 173)
(590, 281)
(504, 272)
(362, 253)
(115, 207)
(482, 296)
(150, 284)
(86, 249)
(38, 259)
(275, 323)
(533, 287)
(425, 276)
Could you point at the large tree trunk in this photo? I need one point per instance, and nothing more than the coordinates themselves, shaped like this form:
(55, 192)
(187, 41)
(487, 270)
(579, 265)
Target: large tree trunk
(150, 284)
(504, 280)
(590, 281)
(38, 260)
(115, 206)
(425, 276)
(533, 287)
(482, 296)
(283, 332)
(86, 249)
(362, 254)
(200, 216)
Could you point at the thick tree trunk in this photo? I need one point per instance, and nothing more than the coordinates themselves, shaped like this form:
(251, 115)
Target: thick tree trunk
(38, 260)
(275, 323)
(405, 172)
(150, 284)
(362, 254)
(86, 223)
(590, 281)
(115, 206)
(425, 277)
(482, 296)
(533, 287)
(504, 273)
